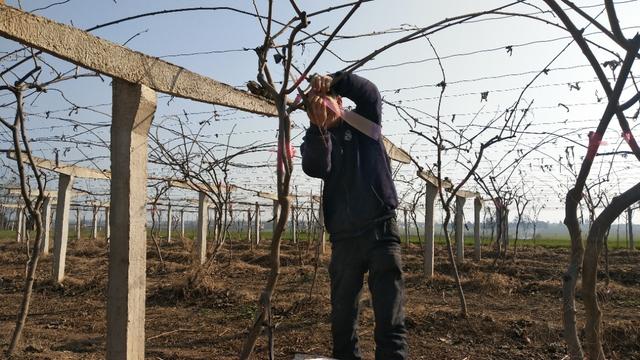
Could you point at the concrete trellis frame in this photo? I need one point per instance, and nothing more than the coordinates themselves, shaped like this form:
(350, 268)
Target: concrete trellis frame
(459, 226)
(94, 223)
(61, 232)
(169, 222)
(133, 110)
(16, 225)
(67, 174)
(46, 217)
(406, 227)
(182, 224)
(477, 207)
(107, 225)
(78, 224)
(431, 194)
(249, 227)
(134, 76)
(203, 221)
(257, 224)
(203, 214)
(632, 245)
(294, 235)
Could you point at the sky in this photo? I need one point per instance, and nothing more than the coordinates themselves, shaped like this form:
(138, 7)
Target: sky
(495, 54)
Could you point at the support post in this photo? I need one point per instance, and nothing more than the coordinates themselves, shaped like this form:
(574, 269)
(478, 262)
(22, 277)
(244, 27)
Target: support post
(203, 225)
(429, 225)
(505, 239)
(61, 233)
(132, 113)
(321, 221)
(107, 225)
(182, 224)
(459, 223)
(477, 206)
(20, 225)
(78, 224)
(294, 236)
(406, 227)
(632, 245)
(257, 223)
(46, 219)
(94, 224)
(169, 223)
(249, 228)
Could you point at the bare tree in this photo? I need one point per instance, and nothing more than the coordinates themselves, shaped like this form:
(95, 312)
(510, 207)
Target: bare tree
(579, 257)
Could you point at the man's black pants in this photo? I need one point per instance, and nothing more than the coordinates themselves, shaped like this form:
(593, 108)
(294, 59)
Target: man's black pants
(378, 252)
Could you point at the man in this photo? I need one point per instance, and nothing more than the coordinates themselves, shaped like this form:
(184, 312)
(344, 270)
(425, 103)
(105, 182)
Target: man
(359, 210)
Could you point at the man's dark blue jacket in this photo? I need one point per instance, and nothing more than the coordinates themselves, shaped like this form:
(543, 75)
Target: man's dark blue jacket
(358, 190)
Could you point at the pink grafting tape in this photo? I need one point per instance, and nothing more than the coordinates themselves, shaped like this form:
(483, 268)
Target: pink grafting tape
(359, 122)
(595, 140)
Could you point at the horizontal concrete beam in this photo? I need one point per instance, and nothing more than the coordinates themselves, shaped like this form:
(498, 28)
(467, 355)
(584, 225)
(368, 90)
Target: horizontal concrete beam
(396, 153)
(446, 184)
(432, 179)
(190, 185)
(11, 206)
(47, 193)
(105, 57)
(272, 196)
(467, 194)
(62, 168)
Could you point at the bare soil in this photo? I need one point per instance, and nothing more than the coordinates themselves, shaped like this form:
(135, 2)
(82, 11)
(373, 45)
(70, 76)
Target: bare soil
(198, 312)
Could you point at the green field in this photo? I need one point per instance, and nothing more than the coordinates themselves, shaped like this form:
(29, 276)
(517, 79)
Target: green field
(551, 242)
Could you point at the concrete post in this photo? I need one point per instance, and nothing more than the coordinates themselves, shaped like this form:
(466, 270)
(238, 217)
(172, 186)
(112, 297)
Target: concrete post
(430, 199)
(132, 113)
(275, 217)
(25, 228)
(249, 227)
(94, 224)
(257, 224)
(182, 224)
(632, 244)
(20, 225)
(107, 225)
(477, 206)
(214, 224)
(406, 227)
(169, 223)
(61, 232)
(46, 219)
(294, 235)
(322, 232)
(78, 224)
(506, 230)
(203, 223)
(459, 223)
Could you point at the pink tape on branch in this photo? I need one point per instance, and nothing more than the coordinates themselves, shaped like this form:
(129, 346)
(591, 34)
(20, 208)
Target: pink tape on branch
(628, 137)
(333, 106)
(595, 140)
(290, 153)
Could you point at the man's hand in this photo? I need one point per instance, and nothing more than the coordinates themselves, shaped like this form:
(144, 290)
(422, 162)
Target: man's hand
(319, 114)
(321, 84)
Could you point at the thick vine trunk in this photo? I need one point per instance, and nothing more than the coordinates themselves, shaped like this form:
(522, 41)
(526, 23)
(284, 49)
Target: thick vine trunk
(570, 277)
(593, 326)
(454, 267)
(284, 179)
(28, 287)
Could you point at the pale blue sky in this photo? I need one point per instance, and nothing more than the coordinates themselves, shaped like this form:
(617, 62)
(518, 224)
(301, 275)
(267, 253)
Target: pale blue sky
(467, 75)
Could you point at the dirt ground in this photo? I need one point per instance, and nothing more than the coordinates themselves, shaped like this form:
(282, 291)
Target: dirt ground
(203, 312)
